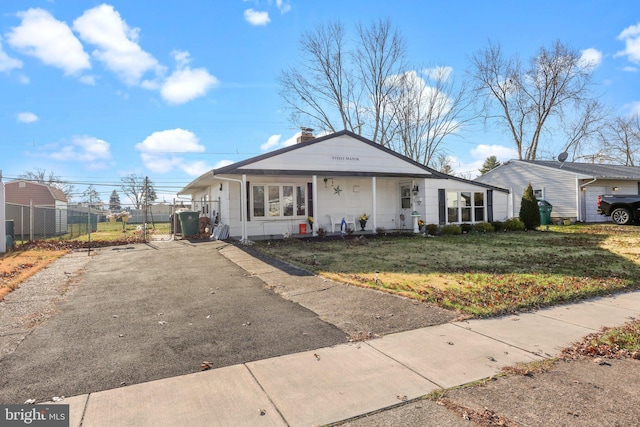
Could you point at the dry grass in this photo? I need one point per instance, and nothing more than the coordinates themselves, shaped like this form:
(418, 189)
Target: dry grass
(479, 274)
(15, 267)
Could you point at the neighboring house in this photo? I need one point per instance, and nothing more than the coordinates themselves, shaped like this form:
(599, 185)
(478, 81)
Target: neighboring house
(571, 188)
(49, 204)
(341, 175)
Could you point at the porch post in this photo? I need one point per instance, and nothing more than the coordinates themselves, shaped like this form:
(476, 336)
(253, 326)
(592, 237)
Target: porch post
(373, 202)
(314, 189)
(243, 202)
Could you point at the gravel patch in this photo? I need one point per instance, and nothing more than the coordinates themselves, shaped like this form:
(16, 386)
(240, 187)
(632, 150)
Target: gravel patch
(36, 298)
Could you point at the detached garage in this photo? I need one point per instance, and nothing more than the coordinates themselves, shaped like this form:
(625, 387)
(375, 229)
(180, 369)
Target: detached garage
(572, 188)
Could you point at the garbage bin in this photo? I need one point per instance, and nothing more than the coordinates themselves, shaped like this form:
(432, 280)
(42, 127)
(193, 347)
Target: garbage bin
(189, 222)
(545, 212)
(10, 239)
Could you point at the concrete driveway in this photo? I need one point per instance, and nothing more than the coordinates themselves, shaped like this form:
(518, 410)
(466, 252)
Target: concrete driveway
(145, 312)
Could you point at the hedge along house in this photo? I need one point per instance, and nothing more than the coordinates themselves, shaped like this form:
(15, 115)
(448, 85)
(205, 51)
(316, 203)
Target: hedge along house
(334, 177)
(571, 188)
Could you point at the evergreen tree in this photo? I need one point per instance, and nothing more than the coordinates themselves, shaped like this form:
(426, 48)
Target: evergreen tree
(529, 211)
(490, 162)
(114, 202)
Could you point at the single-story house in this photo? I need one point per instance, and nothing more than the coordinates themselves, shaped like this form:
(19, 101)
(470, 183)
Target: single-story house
(571, 188)
(49, 204)
(335, 177)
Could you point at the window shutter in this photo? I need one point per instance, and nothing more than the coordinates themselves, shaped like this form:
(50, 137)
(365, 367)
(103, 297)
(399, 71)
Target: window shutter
(442, 206)
(310, 198)
(248, 201)
(489, 205)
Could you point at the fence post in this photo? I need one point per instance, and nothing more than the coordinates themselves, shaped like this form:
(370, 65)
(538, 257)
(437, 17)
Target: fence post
(31, 220)
(3, 217)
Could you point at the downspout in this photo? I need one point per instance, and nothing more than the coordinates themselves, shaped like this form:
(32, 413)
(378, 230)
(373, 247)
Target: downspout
(316, 205)
(579, 191)
(243, 203)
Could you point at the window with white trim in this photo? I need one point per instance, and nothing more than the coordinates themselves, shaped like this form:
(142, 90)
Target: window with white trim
(465, 206)
(274, 201)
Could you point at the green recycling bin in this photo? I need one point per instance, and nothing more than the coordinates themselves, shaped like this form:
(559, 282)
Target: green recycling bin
(189, 222)
(545, 212)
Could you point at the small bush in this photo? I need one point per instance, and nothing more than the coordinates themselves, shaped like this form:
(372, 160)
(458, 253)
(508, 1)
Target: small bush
(514, 224)
(432, 229)
(484, 227)
(529, 210)
(321, 232)
(451, 230)
(498, 225)
(467, 228)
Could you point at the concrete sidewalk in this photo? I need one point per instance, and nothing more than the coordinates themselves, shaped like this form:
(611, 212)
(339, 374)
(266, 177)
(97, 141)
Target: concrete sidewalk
(337, 383)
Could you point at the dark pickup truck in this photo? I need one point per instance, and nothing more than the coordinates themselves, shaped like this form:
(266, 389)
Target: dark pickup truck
(623, 209)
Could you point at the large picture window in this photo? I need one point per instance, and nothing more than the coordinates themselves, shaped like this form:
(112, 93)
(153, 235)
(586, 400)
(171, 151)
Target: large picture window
(275, 201)
(465, 206)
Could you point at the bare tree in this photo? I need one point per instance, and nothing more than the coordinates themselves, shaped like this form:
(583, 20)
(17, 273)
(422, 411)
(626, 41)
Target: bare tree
(427, 108)
(337, 86)
(379, 58)
(529, 101)
(41, 176)
(443, 164)
(320, 88)
(91, 197)
(584, 129)
(621, 140)
(139, 190)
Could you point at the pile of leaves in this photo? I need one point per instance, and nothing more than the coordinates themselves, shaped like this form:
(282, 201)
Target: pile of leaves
(56, 245)
(612, 343)
(484, 418)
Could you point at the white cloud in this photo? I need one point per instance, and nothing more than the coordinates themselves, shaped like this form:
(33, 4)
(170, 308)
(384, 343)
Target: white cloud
(88, 149)
(442, 73)
(630, 69)
(158, 151)
(171, 141)
(27, 117)
(471, 168)
(283, 6)
(88, 80)
(591, 58)
(223, 163)
(254, 17)
(51, 41)
(631, 38)
(6, 62)
(274, 142)
(117, 44)
(186, 84)
(196, 168)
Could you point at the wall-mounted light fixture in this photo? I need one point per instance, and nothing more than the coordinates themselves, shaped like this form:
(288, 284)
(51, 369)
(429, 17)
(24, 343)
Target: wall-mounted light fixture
(584, 189)
(220, 186)
(615, 188)
(415, 190)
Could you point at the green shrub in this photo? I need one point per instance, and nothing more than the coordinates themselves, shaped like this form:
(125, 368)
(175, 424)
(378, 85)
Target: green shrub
(514, 224)
(498, 225)
(467, 228)
(484, 227)
(433, 229)
(451, 230)
(529, 210)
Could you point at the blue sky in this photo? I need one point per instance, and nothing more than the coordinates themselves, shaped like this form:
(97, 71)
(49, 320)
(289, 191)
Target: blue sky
(95, 91)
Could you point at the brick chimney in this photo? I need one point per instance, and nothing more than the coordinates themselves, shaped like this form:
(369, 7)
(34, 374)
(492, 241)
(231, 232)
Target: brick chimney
(306, 134)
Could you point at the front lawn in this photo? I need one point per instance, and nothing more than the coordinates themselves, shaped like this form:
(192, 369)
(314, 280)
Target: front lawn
(479, 274)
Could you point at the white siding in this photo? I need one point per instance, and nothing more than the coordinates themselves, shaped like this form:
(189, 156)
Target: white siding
(342, 153)
(558, 186)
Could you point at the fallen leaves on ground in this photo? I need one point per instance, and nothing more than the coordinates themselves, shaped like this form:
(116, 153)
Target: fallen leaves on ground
(613, 343)
(485, 418)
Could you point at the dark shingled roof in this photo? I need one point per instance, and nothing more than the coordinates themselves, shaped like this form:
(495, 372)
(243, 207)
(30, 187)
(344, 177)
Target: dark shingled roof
(596, 170)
